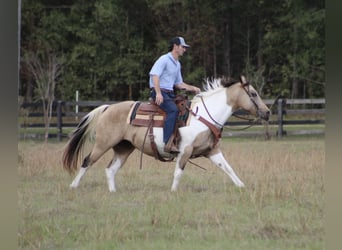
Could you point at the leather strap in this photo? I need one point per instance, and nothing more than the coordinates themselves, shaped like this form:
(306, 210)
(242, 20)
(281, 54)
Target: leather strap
(153, 144)
(217, 132)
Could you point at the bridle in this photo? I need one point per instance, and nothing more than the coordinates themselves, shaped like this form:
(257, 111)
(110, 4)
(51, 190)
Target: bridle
(217, 132)
(254, 121)
(245, 87)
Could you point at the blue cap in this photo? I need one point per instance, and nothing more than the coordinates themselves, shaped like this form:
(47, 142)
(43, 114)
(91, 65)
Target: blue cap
(178, 41)
(182, 42)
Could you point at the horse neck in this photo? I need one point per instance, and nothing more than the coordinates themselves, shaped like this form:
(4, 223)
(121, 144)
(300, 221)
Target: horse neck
(216, 105)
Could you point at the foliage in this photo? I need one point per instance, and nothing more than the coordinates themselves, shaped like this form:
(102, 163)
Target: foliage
(110, 45)
(298, 64)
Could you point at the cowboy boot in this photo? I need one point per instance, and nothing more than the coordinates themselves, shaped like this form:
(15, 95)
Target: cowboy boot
(170, 147)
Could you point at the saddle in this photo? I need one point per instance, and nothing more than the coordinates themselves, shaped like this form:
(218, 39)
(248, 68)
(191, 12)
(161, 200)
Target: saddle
(149, 114)
(146, 114)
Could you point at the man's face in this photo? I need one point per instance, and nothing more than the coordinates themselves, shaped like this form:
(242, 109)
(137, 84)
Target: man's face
(180, 50)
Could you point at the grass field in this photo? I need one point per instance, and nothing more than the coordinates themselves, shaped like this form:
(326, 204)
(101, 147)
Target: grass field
(282, 206)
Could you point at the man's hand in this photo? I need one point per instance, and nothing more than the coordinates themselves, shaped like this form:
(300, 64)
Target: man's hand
(159, 98)
(196, 90)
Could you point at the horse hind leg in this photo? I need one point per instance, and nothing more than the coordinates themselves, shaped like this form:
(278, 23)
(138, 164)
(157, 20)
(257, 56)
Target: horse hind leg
(111, 171)
(81, 172)
(89, 160)
(121, 153)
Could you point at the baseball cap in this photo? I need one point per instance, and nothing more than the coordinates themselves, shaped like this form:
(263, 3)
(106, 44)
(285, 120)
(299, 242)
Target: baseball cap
(179, 41)
(182, 42)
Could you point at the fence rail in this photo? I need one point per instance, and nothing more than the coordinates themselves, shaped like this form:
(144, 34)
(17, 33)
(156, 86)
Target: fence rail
(66, 114)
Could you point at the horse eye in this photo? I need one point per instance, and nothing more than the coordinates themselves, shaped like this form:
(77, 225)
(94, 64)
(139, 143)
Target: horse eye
(253, 94)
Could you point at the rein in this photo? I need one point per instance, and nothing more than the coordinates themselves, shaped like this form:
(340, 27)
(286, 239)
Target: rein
(206, 109)
(149, 132)
(143, 146)
(217, 132)
(250, 96)
(244, 128)
(254, 120)
(237, 116)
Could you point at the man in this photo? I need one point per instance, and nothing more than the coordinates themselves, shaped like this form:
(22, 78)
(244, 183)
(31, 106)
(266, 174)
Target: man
(164, 76)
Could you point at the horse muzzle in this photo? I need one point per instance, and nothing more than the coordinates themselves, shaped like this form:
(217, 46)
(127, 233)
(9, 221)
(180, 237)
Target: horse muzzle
(265, 115)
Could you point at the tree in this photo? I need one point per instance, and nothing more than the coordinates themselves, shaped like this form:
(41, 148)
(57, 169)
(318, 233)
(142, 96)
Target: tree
(293, 51)
(46, 69)
(110, 45)
(107, 51)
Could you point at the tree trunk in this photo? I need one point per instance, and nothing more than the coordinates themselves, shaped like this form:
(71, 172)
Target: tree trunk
(259, 52)
(227, 37)
(226, 49)
(46, 121)
(130, 91)
(29, 88)
(215, 58)
(294, 92)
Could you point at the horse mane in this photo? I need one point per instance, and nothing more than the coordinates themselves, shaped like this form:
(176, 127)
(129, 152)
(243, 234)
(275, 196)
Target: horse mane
(212, 84)
(228, 81)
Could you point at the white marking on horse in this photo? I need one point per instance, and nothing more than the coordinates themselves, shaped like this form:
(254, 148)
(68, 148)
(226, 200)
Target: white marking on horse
(220, 162)
(111, 172)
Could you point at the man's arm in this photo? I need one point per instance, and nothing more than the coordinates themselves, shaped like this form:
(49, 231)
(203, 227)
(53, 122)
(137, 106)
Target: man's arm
(156, 85)
(188, 87)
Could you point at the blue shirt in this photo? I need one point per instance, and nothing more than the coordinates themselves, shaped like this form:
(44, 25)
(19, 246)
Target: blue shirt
(169, 71)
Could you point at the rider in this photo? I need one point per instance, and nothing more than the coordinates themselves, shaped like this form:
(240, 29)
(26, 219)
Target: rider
(164, 76)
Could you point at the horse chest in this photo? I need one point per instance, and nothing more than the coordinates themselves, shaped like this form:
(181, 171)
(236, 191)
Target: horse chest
(203, 143)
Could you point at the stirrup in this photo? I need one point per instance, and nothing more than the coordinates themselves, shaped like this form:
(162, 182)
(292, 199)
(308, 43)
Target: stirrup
(171, 149)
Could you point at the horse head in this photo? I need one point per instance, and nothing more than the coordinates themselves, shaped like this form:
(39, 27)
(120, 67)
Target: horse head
(244, 96)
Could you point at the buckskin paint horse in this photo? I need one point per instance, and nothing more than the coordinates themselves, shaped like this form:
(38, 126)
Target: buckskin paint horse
(209, 111)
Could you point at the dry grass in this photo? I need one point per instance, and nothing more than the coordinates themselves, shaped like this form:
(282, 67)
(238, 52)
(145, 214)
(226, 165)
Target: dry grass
(280, 208)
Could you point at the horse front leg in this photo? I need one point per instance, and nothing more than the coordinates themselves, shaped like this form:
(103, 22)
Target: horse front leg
(182, 158)
(218, 159)
(176, 177)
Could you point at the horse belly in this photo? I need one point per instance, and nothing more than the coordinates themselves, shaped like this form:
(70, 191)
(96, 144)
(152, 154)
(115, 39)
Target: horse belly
(140, 138)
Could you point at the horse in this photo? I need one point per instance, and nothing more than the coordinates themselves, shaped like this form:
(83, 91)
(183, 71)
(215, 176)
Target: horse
(107, 128)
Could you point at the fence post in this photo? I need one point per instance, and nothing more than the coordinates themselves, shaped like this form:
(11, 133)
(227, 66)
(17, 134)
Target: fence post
(59, 120)
(281, 104)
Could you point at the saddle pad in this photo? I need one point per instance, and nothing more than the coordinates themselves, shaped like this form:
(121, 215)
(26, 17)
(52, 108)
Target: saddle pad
(141, 114)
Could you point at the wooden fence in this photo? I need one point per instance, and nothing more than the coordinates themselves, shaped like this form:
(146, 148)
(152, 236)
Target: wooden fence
(285, 112)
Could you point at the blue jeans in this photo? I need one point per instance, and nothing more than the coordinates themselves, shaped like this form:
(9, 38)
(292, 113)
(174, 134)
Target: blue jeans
(170, 107)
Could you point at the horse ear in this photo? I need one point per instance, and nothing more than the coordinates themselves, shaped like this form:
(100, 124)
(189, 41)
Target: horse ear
(243, 80)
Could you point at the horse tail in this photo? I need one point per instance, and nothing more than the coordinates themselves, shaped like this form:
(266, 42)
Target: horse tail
(84, 131)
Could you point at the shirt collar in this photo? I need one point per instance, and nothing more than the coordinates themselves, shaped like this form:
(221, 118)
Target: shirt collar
(172, 58)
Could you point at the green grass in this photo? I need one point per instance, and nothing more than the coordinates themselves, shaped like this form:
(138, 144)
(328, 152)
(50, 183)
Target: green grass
(282, 206)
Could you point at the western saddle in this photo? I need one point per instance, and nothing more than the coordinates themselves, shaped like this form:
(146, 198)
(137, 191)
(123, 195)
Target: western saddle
(148, 114)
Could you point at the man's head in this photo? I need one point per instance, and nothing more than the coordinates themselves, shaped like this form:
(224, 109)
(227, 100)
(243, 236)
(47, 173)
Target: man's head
(179, 42)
